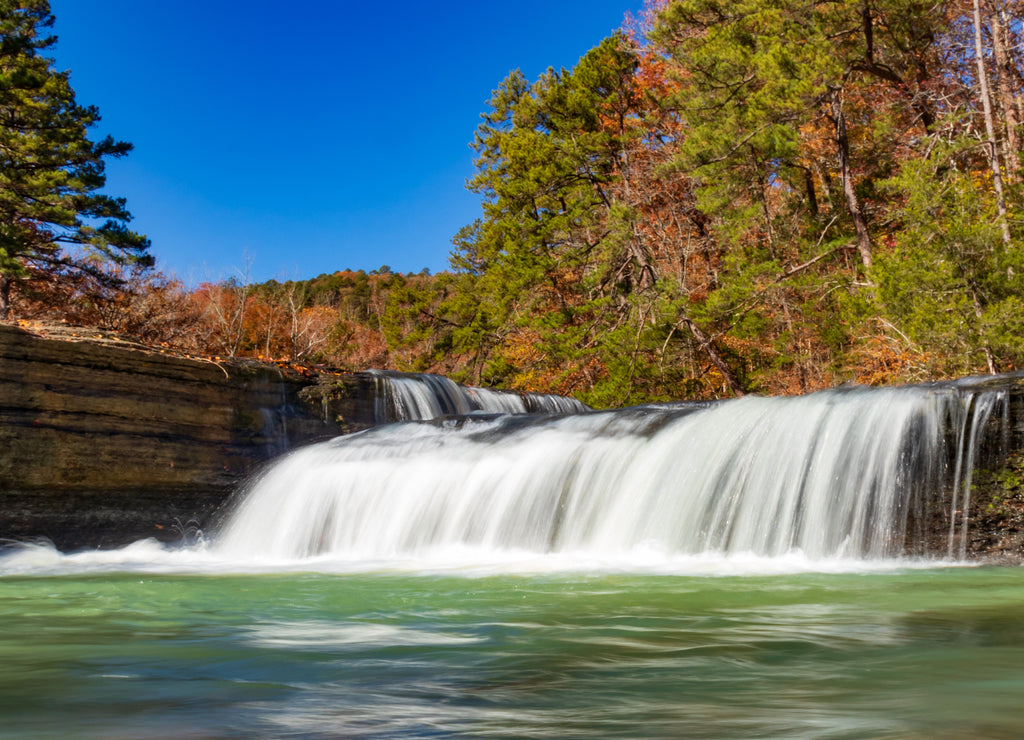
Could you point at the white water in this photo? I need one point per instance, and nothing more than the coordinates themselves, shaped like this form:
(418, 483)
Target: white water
(418, 396)
(839, 475)
(831, 482)
(149, 557)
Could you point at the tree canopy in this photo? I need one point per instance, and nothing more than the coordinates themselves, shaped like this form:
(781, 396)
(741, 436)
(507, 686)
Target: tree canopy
(54, 219)
(754, 195)
(768, 196)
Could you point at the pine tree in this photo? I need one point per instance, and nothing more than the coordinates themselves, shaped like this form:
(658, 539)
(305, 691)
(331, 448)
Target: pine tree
(794, 113)
(53, 219)
(554, 257)
(952, 282)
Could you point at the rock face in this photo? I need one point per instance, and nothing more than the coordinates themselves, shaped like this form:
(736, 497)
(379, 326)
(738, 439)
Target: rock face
(103, 442)
(995, 529)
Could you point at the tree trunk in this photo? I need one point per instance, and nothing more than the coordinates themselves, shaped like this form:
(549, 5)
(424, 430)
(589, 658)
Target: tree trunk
(826, 186)
(812, 195)
(716, 359)
(5, 294)
(990, 127)
(990, 360)
(1007, 101)
(852, 203)
(637, 250)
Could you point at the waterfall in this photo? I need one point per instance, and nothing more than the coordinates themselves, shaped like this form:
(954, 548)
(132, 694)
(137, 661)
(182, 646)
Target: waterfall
(847, 473)
(418, 396)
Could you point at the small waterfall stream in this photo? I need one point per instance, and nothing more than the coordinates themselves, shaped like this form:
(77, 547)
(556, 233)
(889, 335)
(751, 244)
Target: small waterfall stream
(418, 396)
(848, 473)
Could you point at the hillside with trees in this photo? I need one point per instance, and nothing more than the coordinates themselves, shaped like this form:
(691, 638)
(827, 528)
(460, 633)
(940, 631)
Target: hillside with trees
(721, 198)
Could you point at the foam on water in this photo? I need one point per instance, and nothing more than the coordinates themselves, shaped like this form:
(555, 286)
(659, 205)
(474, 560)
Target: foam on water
(149, 557)
(318, 635)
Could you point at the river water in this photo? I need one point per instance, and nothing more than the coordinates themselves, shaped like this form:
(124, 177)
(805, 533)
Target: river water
(742, 648)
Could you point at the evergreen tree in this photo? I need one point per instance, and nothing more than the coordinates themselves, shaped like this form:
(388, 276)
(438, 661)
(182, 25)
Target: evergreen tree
(794, 112)
(952, 283)
(53, 219)
(554, 262)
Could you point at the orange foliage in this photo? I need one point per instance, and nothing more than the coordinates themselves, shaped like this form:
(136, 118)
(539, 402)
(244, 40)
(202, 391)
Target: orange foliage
(883, 360)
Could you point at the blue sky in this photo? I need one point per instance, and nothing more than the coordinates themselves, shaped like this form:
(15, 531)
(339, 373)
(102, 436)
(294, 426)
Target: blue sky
(306, 137)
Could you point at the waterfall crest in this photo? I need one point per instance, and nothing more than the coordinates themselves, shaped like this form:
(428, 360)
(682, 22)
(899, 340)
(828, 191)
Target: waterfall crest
(843, 473)
(420, 396)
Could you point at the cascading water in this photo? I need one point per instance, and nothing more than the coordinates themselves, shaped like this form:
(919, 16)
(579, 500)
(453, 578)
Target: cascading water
(838, 474)
(418, 396)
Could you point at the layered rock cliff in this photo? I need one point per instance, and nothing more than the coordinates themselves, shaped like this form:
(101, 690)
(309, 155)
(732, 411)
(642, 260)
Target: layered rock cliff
(995, 516)
(103, 442)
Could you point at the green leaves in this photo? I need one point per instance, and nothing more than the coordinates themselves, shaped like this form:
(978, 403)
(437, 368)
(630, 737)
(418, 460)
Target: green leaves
(543, 259)
(50, 171)
(768, 195)
(950, 282)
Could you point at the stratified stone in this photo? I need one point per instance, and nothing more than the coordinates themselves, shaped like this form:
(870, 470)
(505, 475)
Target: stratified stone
(103, 442)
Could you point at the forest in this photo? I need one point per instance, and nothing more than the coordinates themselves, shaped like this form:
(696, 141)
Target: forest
(723, 197)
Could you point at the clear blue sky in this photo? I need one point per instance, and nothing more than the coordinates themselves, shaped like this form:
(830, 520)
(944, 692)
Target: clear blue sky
(306, 137)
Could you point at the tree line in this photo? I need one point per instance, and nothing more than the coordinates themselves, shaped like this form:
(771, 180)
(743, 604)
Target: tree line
(723, 197)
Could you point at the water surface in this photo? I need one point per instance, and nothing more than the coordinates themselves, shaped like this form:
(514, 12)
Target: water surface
(890, 653)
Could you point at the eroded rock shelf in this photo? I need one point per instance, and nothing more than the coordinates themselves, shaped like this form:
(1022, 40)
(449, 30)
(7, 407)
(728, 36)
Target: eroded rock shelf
(103, 441)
